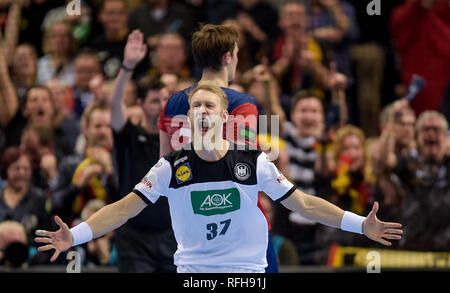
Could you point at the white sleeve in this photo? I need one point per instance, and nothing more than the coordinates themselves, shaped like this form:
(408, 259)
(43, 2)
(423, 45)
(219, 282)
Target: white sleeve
(155, 183)
(271, 180)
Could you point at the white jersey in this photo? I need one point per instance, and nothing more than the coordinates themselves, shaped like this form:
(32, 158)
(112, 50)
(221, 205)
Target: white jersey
(213, 205)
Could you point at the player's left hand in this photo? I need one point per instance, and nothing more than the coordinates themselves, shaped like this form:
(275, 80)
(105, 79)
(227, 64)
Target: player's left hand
(60, 240)
(381, 231)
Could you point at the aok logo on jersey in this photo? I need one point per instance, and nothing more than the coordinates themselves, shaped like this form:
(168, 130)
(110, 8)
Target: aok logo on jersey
(215, 202)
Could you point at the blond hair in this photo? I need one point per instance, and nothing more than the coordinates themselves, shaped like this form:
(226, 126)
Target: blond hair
(46, 42)
(213, 88)
(341, 135)
(8, 225)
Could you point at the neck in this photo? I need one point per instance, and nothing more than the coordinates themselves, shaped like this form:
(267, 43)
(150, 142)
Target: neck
(214, 154)
(13, 195)
(152, 125)
(59, 59)
(25, 80)
(41, 123)
(218, 77)
(434, 160)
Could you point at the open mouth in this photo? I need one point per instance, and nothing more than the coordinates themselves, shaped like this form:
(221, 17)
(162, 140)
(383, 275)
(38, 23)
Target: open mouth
(40, 113)
(204, 124)
(431, 142)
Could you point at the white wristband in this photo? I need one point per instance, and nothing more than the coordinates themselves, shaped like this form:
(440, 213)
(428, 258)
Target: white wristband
(81, 233)
(352, 222)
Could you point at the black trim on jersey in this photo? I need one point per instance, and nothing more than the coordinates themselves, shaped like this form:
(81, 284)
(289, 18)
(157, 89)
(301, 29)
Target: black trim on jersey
(219, 171)
(142, 196)
(291, 191)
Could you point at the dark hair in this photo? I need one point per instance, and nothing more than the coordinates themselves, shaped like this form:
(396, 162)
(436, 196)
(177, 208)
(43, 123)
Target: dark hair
(147, 84)
(211, 42)
(89, 53)
(85, 51)
(46, 134)
(310, 93)
(10, 155)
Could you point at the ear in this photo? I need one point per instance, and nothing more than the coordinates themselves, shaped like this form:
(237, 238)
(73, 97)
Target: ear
(189, 118)
(225, 116)
(226, 58)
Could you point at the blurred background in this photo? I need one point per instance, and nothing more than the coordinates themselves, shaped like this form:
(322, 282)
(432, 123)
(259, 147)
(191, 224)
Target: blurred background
(363, 102)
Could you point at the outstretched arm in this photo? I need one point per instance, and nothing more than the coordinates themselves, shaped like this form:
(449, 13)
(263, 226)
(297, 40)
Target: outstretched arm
(324, 212)
(103, 221)
(135, 51)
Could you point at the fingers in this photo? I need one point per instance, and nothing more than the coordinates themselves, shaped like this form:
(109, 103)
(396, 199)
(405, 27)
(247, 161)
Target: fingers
(392, 225)
(55, 255)
(136, 36)
(375, 208)
(43, 240)
(394, 231)
(42, 233)
(46, 247)
(384, 242)
(60, 223)
(392, 236)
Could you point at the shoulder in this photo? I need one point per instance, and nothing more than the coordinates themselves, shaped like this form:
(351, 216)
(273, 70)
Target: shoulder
(236, 98)
(178, 103)
(44, 60)
(177, 157)
(245, 153)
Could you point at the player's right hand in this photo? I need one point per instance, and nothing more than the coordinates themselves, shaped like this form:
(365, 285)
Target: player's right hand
(60, 240)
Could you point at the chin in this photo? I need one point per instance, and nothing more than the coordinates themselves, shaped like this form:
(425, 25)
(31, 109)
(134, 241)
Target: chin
(356, 168)
(430, 154)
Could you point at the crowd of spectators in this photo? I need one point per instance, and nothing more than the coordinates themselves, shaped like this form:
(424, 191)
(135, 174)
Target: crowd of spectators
(336, 83)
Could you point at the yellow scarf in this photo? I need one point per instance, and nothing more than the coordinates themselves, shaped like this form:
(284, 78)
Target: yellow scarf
(95, 187)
